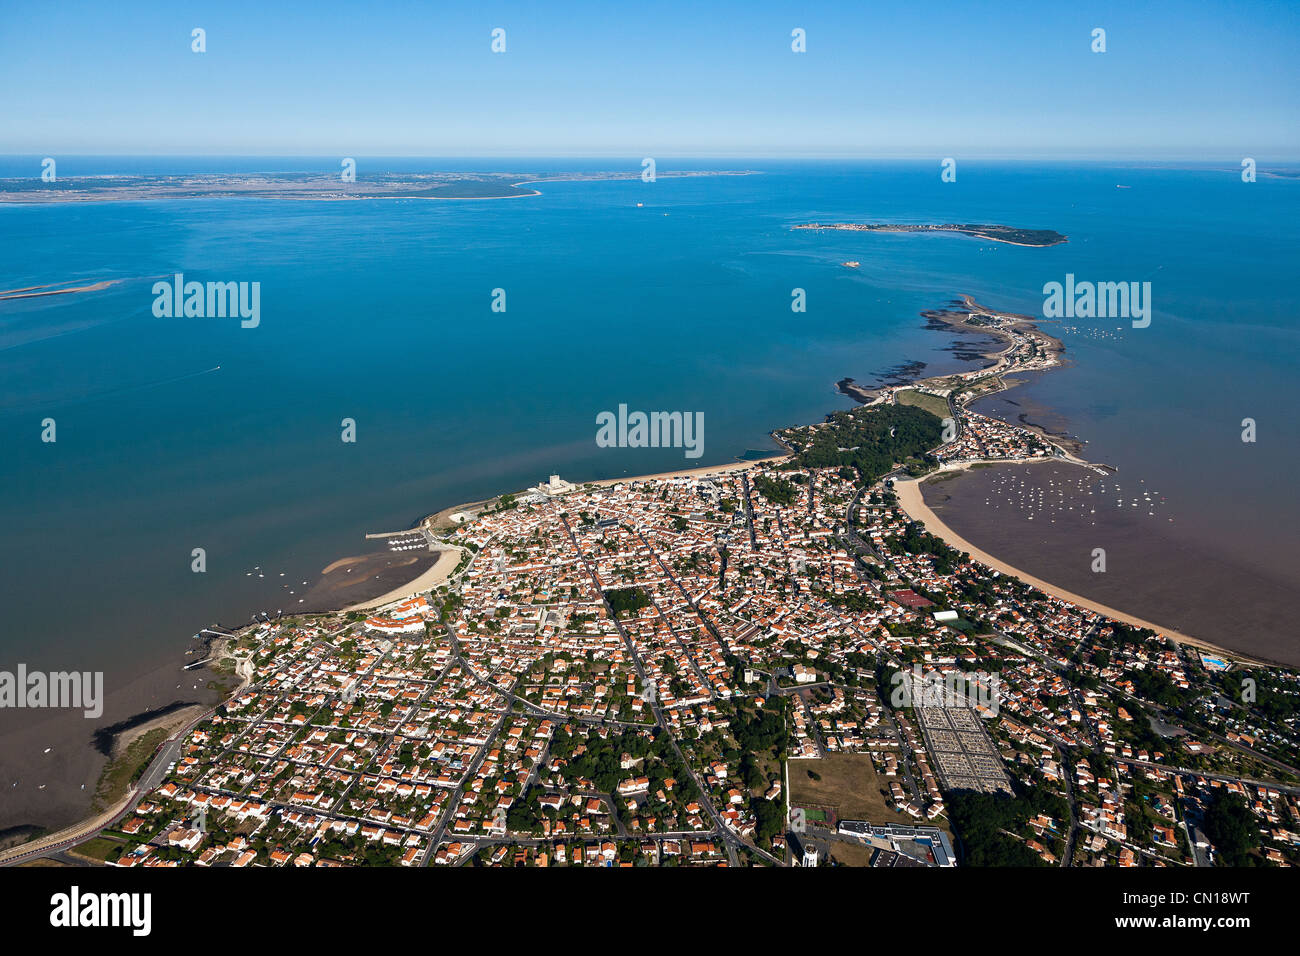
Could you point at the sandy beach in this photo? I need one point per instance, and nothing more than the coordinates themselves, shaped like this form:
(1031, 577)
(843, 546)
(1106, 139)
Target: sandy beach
(442, 519)
(695, 472)
(913, 503)
(430, 579)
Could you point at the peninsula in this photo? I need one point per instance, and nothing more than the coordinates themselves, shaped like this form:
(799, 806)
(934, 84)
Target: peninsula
(671, 669)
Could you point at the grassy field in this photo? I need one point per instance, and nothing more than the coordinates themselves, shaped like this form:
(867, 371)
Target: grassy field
(96, 848)
(848, 784)
(118, 774)
(851, 854)
(936, 406)
(941, 477)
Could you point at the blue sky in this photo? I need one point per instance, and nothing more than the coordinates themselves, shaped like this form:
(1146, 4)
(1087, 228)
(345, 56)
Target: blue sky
(1200, 80)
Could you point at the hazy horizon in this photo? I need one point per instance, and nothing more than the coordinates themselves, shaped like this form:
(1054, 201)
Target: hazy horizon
(1136, 160)
(1175, 80)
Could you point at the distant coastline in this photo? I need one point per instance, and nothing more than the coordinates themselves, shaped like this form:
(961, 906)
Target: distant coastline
(318, 187)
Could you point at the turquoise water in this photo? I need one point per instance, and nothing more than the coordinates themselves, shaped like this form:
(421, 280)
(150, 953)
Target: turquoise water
(380, 311)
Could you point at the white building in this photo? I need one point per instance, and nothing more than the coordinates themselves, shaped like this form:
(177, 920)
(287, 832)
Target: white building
(556, 486)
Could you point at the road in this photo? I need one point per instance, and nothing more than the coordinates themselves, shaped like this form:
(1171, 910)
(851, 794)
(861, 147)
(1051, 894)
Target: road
(84, 830)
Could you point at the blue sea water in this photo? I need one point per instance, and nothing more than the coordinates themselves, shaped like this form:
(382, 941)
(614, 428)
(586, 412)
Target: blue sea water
(380, 311)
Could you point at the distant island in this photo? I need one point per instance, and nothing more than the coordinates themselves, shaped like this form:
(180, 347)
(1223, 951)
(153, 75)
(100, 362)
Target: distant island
(1008, 234)
(310, 186)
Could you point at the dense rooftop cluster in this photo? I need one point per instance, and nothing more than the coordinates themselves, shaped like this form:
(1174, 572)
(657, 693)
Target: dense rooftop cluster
(663, 672)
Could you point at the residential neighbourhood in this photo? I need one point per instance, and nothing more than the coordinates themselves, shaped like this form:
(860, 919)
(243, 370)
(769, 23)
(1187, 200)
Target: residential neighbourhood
(704, 670)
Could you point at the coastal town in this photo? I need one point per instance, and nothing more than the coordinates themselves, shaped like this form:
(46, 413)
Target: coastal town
(768, 663)
(517, 437)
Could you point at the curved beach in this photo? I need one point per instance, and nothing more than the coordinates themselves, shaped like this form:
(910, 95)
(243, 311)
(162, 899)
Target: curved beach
(912, 502)
(437, 574)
